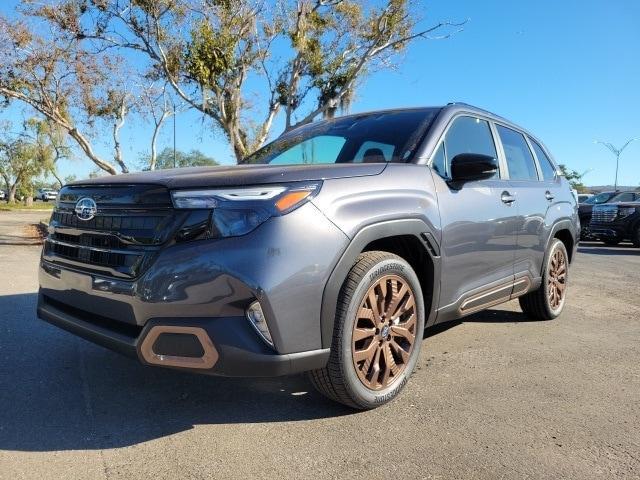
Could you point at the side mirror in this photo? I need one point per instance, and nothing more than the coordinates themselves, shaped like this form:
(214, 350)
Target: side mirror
(467, 167)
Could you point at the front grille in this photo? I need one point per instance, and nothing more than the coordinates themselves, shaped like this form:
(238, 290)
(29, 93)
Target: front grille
(604, 214)
(130, 226)
(108, 222)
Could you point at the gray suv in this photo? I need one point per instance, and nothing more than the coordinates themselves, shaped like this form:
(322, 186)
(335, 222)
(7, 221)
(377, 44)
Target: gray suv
(329, 251)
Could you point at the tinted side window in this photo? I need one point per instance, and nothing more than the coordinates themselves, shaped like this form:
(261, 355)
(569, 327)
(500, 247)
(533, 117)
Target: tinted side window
(548, 170)
(468, 135)
(519, 159)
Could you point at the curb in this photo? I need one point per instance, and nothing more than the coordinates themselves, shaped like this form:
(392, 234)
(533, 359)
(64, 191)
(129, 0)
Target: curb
(42, 229)
(25, 210)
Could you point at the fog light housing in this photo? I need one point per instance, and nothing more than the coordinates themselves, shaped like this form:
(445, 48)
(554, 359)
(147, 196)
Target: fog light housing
(255, 315)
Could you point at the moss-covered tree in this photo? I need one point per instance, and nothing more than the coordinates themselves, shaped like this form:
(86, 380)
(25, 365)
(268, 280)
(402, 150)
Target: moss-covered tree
(239, 60)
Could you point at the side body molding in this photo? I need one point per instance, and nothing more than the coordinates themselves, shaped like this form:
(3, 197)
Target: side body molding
(366, 235)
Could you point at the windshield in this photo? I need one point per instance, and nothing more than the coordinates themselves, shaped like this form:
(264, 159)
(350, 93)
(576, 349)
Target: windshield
(369, 138)
(623, 197)
(600, 198)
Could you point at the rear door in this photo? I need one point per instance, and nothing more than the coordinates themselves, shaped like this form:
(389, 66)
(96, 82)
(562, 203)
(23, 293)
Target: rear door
(478, 236)
(535, 185)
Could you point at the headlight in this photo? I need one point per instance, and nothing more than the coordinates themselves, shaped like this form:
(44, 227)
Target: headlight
(626, 211)
(238, 211)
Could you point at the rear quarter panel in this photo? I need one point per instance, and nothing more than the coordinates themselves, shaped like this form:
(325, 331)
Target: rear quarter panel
(562, 214)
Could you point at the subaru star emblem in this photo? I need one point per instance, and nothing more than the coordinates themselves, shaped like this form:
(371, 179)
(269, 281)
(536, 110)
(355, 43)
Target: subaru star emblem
(86, 208)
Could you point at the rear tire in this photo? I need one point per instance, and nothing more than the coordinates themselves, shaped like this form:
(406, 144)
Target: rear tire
(547, 302)
(377, 333)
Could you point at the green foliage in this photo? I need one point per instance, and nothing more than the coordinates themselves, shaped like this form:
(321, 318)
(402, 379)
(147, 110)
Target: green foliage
(209, 54)
(21, 162)
(574, 178)
(44, 183)
(194, 158)
(300, 55)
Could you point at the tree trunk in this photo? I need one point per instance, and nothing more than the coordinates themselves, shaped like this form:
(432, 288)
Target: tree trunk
(154, 138)
(237, 139)
(116, 137)
(54, 116)
(58, 179)
(12, 193)
(86, 148)
(28, 201)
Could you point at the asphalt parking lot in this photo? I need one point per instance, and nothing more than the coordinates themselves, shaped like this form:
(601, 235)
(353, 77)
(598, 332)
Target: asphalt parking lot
(494, 396)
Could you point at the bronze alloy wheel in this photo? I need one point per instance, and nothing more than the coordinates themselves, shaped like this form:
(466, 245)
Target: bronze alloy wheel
(557, 279)
(384, 332)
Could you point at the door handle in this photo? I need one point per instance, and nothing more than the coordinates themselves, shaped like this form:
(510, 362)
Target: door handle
(507, 198)
(548, 195)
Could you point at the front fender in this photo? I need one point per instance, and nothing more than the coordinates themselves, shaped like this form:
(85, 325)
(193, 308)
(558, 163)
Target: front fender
(377, 231)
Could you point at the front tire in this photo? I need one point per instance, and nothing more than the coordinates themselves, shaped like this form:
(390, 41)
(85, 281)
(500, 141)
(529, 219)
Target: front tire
(377, 333)
(547, 302)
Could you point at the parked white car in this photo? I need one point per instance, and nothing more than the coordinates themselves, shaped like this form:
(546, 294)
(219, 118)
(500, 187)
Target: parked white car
(3, 195)
(46, 194)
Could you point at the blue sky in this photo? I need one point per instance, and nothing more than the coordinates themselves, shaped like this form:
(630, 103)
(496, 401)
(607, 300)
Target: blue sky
(568, 71)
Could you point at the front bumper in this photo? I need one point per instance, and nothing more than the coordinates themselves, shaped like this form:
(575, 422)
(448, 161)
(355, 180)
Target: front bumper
(239, 353)
(207, 285)
(610, 230)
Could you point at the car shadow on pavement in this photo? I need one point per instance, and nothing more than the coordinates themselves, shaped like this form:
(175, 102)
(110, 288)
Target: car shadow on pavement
(485, 316)
(60, 392)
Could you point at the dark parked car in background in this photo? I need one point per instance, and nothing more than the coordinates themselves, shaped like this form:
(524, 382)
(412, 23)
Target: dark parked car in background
(617, 221)
(585, 208)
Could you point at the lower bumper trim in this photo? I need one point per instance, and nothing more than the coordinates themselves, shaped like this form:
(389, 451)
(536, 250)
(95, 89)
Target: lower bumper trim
(206, 361)
(238, 350)
(94, 333)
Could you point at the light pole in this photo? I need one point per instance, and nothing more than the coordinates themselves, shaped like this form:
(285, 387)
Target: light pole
(617, 152)
(174, 134)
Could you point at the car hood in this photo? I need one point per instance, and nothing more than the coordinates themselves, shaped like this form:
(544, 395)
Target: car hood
(605, 206)
(238, 175)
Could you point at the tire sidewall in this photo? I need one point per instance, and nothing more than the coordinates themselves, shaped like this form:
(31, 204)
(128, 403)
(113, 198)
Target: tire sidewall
(361, 394)
(555, 245)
